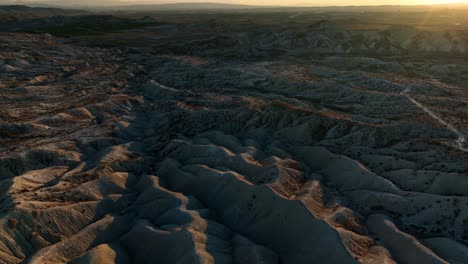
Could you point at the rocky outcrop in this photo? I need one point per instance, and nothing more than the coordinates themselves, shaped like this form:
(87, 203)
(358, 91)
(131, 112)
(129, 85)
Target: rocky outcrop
(126, 157)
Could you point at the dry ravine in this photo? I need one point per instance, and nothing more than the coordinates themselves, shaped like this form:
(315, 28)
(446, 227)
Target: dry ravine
(123, 156)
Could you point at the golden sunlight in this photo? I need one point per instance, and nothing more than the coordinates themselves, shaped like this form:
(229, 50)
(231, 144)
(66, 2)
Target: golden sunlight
(443, 1)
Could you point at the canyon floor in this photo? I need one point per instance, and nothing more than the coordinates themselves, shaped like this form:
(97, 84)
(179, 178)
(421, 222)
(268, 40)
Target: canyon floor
(150, 145)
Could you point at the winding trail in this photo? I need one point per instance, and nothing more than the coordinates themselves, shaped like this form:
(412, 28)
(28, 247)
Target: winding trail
(459, 143)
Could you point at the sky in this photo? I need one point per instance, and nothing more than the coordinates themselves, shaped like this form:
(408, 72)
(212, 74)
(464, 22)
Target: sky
(358, 2)
(268, 2)
(344, 2)
(316, 2)
(321, 2)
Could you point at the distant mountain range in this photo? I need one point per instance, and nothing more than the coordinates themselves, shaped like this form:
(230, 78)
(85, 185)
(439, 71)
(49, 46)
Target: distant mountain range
(135, 5)
(17, 13)
(65, 3)
(193, 5)
(185, 6)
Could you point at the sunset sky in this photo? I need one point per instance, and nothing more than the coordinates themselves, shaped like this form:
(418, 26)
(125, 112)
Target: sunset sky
(262, 2)
(313, 2)
(323, 2)
(344, 2)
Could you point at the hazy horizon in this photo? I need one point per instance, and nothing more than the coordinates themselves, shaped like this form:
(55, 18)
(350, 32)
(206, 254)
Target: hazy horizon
(253, 2)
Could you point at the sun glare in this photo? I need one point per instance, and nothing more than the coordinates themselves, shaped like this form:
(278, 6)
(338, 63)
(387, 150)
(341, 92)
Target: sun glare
(444, 2)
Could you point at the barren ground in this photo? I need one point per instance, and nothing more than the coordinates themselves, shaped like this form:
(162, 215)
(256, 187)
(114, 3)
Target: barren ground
(128, 148)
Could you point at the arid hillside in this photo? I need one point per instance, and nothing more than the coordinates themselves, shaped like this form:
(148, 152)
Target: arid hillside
(148, 145)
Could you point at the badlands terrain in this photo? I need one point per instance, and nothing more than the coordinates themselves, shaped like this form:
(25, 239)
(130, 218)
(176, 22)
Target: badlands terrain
(266, 137)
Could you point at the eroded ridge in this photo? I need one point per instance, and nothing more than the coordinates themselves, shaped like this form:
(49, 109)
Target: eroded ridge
(128, 157)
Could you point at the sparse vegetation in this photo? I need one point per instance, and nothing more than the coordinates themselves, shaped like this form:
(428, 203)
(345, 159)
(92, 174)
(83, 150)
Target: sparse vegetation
(269, 136)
